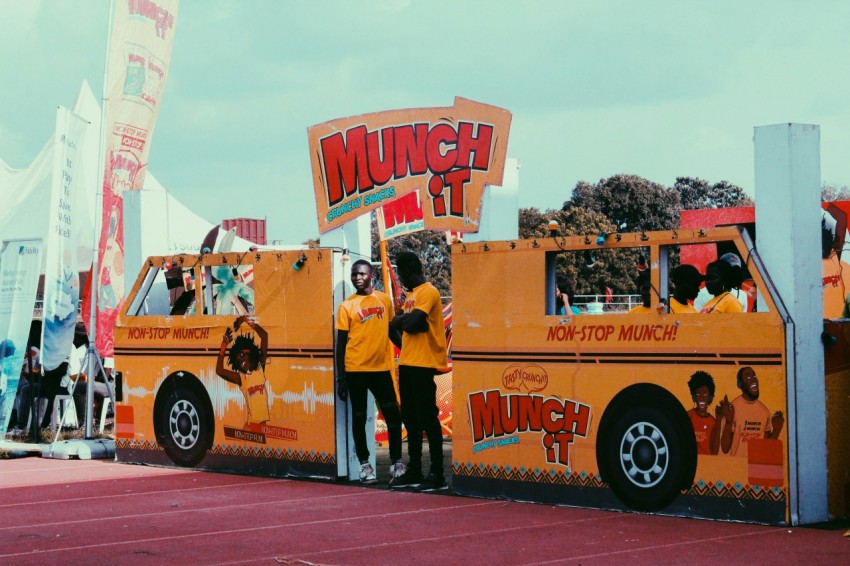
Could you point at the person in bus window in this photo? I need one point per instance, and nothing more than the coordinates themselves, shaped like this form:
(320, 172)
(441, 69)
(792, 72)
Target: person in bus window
(686, 281)
(747, 418)
(701, 386)
(645, 290)
(737, 287)
(245, 359)
(719, 278)
(565, 293)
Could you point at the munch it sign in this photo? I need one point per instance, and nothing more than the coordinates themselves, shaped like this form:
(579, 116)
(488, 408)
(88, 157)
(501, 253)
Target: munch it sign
(446, 154)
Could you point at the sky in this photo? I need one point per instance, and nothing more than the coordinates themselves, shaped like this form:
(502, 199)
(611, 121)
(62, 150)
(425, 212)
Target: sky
(659, 89)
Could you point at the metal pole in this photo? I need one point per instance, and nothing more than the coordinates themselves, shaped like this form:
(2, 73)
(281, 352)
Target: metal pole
(92, 354)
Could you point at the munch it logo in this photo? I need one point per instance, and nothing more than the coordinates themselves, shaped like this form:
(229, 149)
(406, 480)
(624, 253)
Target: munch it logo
(445, 154)
(256, 389)
(164, 20)
(358, 160)
(494, 415)
(367, 313)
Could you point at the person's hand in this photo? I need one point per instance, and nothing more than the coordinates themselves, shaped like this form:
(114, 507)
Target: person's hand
(228, 336)
(777, 420)
(342, 388)
(728, 410)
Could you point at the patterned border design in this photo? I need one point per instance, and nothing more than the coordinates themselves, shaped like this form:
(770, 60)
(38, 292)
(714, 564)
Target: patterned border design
(241, 451)
(537, 475)
(583, 479)
(738, 491)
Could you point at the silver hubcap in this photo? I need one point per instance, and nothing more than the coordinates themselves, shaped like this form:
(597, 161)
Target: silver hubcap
(644, 454)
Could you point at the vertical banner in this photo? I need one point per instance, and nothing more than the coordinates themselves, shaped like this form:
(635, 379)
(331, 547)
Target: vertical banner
(141, 38)
(20, 266)
(62, 271)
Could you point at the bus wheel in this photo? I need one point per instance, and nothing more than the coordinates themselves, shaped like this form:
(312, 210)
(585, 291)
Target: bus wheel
(184, 428)
(648, 454)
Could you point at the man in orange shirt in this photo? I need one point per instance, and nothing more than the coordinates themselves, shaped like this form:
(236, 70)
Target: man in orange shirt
(423, 351)
(364, 360)
(746, 417)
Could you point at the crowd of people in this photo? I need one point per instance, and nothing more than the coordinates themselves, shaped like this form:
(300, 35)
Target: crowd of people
(724, 290)
(39, 387)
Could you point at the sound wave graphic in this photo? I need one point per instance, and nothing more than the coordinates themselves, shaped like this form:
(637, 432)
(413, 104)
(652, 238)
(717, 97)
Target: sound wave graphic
(308, 398)
(224, 395)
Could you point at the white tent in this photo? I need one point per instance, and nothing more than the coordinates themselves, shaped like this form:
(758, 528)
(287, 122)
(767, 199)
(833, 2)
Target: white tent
(162, 225)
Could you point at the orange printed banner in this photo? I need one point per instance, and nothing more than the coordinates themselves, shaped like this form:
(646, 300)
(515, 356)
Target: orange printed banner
(401, 216)
(141, 38)
(446, 154)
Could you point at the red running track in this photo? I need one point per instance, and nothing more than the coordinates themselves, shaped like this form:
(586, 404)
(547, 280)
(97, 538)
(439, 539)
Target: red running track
(88, 511)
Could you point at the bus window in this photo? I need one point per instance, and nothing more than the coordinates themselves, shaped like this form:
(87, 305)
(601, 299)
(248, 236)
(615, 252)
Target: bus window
(232, 290)
(595, 287)
(164, 292)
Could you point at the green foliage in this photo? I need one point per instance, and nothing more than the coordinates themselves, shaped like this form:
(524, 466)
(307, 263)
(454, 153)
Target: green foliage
(613, 268)
(630, 202)
(695, 193)
(431, 247)
(624, 203)
(834, 192)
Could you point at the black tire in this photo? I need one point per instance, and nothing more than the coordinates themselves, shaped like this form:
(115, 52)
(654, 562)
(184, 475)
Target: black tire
(185, 430)
(647, 452)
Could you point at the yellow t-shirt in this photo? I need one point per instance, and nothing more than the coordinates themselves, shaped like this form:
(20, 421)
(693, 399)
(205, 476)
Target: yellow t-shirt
(752, 421)
(723, 303)
(254, 388)
(640, 309)
(425, 349)
(678, 308)
(366, 318)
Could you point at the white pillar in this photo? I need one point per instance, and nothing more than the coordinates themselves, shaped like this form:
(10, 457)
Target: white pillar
(787, 181)
(500, 208)
(356, 236)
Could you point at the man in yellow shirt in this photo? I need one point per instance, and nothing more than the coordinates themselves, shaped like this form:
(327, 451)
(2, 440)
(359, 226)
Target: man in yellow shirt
(423, 351)
(686, 281)
(364, 360)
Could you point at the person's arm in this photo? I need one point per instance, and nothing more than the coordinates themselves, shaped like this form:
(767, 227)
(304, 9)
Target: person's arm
(728, 426)
(261, 332)
(223, 372)
(339, 360)
(413, 322)
(714, 441)
(776, 423)
(395, 337)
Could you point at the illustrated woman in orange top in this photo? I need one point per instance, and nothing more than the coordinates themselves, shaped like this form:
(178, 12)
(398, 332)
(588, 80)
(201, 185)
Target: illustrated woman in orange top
(246, 359)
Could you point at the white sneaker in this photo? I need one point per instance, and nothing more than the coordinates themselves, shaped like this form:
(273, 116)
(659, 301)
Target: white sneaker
(397, 470)
(367, 474)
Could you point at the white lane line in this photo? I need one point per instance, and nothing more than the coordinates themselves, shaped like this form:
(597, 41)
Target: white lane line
(700, 541)
(253, 529)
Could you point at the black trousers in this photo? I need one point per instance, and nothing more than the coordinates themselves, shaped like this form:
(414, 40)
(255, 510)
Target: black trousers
(419, 413)
(380, 383)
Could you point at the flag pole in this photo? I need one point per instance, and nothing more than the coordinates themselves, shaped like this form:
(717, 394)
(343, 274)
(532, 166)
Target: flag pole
(385, 267)
(92, 356)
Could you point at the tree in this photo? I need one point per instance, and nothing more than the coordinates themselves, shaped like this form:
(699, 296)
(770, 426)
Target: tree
(695, 193)
(630, 202)
(613, 268)
(834, 192)
(431, 247)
